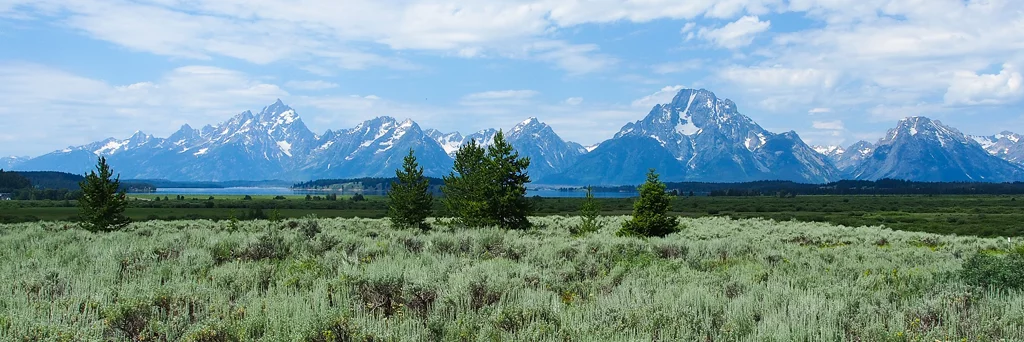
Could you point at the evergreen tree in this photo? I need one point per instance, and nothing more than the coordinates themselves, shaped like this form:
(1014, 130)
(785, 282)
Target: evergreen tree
(11, 181)
(409, 200)
(650, 211)
(507, 174)
(466, 188)
(589, 212)
(102, 205)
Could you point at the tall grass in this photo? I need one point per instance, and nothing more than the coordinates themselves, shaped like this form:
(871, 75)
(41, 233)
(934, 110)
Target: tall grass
(359, 279)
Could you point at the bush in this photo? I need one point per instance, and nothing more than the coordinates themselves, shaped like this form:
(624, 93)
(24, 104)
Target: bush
(128, 319)
(268, 246)
(589, 211)
(358, 198)
(999, 272)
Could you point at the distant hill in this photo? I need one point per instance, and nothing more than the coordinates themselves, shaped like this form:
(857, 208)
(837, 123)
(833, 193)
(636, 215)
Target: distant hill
(69, 181)
(52, 179)
(163, 183)
(10, 181)
(368, 184)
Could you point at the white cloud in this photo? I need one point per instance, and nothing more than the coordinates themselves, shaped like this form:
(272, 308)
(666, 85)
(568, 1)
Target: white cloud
(332, 34)
(310, 85)
(570, 13)
(836, 125)
(969, 88)
(819, 110)
(688, 27)
(736, 34)
(778, 77)
(79, 110)
(664, 95)
(573, 101)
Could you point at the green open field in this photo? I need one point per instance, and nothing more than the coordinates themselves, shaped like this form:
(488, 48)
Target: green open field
(981, 215)
(360, 280)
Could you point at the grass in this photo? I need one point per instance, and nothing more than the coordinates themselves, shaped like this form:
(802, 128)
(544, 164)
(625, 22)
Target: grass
(983, 215)
(358, 279)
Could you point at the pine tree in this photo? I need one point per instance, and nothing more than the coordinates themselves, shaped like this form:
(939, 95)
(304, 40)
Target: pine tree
(409, 200)
(589, 212)
(102, 204)
(508, 204)
(650, 211)
(466, 188)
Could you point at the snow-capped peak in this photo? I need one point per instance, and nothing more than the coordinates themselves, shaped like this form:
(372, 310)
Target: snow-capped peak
(925, 128)
(111, 147)
(830, 150)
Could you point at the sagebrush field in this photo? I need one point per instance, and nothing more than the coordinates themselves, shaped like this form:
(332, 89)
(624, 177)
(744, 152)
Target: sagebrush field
(358, 280)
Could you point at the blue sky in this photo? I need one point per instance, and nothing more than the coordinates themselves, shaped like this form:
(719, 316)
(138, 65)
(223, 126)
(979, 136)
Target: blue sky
(835, 71)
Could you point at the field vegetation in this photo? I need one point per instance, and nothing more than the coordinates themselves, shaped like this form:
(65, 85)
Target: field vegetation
(980, 215)
(319, 279)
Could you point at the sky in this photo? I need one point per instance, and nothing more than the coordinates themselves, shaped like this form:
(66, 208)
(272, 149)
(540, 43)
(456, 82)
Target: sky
(835, 71)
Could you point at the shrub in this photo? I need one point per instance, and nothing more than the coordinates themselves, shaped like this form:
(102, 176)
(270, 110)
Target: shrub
(310, 226)
(128, 319)
(589, 211)
(212, 333)
(270, 245)
(340, 329)
(1000, 272)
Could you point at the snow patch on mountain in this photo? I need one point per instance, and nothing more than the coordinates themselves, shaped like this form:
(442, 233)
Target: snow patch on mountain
(286, 147)
(110, 148)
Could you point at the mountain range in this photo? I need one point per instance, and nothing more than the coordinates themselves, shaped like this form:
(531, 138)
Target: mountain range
(695, 137)
(6, 163)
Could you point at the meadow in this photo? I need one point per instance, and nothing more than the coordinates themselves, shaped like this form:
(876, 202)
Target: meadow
(326, 279)
(978, 215)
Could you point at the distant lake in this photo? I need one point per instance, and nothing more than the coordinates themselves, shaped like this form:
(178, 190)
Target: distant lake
(289, 191)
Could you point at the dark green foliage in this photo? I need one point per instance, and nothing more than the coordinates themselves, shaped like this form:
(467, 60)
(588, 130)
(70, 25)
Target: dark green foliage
(356, 198)
(102, 205)
(10, 181)
(465, 189)
(1000, 272)
(409, 200)
(339, 330)
(52, 179)
(488, 187)
(975, 215)
(507, 171)
(589, 212)
(650, 211)
(128, 319)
